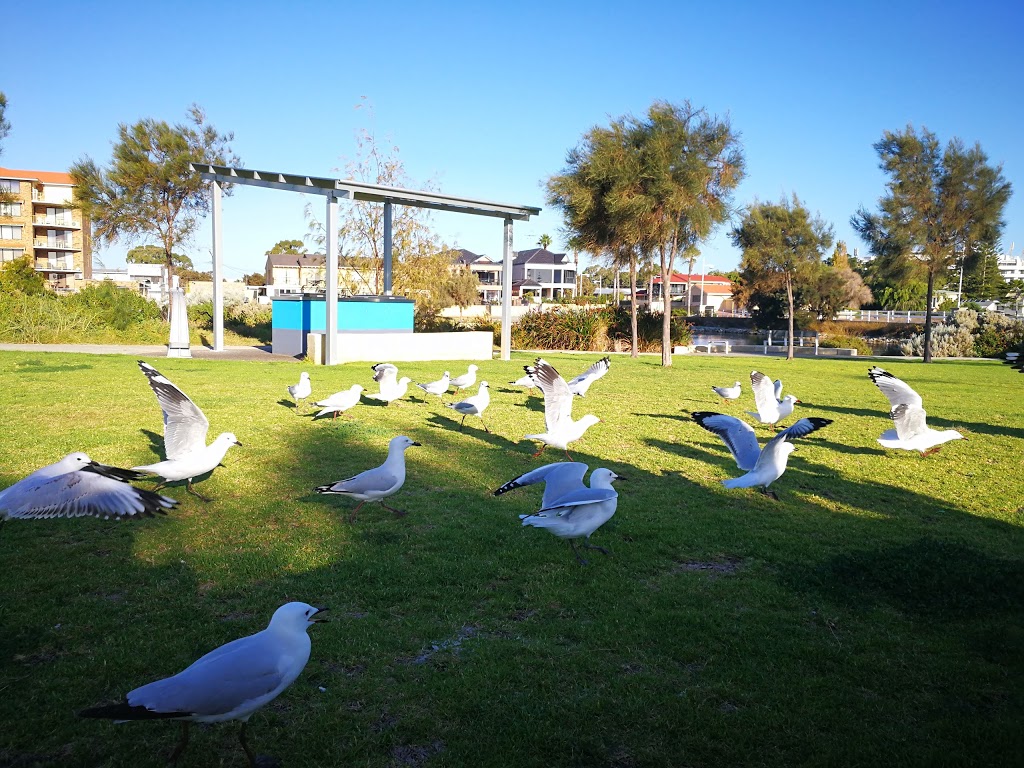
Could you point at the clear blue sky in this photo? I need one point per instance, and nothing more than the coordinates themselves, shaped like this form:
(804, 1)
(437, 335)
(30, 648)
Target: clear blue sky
(485, 99)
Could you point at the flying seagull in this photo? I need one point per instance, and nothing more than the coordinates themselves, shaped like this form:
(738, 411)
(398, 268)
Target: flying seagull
(468, 379)
(908, 416)
(378, 483)
(770, 410)
(580, 384)
(391, 388)
(728, 393)
(339, 402)
(300, 391)
(569, 509)
(77, 486)
(185, 427)
(763, 466)
(560, 428)
(473, 406)
(228, 683)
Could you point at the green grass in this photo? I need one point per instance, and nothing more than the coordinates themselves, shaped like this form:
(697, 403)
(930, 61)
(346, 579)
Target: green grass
(872, 616)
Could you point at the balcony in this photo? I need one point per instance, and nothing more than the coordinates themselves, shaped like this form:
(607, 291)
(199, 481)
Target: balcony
(66, 221)
(55, 265)
(56, 244)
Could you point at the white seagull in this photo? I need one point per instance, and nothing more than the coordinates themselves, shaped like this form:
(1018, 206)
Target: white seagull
(391, 387)
(569, 509)
(580, 384)
(185, 427)
(908, 416)
(728, 393)
(468, 379)
(527, 381)
(378, 483)
(228, 683)
(770, 410)
(763, 466)
(300, 391)
(77, 486)
(339, 402)
(438, 387)
(778, 390)
(560, 427)
(473, 406)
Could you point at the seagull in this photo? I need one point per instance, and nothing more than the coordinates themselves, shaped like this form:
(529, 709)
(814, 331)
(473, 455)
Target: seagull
(466, 380)
(908, 415)
(185, 427)
(569, 509)
(300, 391)
(77, 486)
(228, 683)
(580, 384)
(560, 427)
(378, 483)
(391, 388)
(474, 406)
(770, 410)
(728, 393)
(438, 387)
(778, 390)
(340, 402)
(527, 381)
(763, 467)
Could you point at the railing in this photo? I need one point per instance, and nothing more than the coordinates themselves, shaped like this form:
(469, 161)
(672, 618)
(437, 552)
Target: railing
(60, 243)
(889, 316)
(55, 221)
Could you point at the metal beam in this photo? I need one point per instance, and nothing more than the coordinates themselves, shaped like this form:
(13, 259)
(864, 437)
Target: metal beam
(218, 269)
(506, 291)
(388, 242)
(331, 297)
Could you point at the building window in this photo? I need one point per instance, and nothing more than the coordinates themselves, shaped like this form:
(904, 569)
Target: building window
(10, 232)
(10, 209)
(10, 254)
(10, 185)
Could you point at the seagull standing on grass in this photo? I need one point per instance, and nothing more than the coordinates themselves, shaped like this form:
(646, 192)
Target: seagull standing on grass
(765, 466)
(391, 388)
(77, 486)
(527, 381)
(569, 509)
(339, 402)
(185, 428)
(378, 483)
(580, 384)
(560, 427)
(770, 410)
(300, 391)
(439, 387)
(473, 406)
(728, 393)
(228, 683)
(908, 416)
(466, 380)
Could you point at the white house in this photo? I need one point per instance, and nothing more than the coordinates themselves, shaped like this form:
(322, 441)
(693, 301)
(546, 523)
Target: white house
(487, 272)
(548, 275)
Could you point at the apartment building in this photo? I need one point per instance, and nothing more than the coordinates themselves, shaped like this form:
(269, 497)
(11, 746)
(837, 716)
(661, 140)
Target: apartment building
(486, 271)
(547, 275)
(37, 219)
(287, 273)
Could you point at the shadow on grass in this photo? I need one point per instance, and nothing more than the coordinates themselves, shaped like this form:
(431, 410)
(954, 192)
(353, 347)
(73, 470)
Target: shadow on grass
(933, 421)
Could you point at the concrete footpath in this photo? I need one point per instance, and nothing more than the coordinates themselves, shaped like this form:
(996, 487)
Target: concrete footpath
(155, 350)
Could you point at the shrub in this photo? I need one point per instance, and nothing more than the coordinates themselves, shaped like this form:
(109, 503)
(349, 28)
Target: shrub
(842, 341)
(251, 320)
(113, 307)
(595, 330)
(971, 334)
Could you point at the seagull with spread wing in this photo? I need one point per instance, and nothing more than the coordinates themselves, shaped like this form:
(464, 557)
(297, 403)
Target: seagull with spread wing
(560, 428)
(569, 509)
(185, 428)
(763, 466)
(911, 432)
(580, 384)
(391, 387)
(770, 410)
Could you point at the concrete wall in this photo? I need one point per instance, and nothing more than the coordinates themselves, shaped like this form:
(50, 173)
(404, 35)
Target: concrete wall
(408, 347)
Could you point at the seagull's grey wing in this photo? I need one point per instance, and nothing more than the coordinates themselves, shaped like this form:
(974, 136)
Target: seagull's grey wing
(594, 372)
(909, 420)
(764, 393)
(802, 427)
(557, 397)
(896, 390)
(778, 389)
(80, 494)
(559, 479)
(220, 682)
(738, 436)
(376, 479)
(581, 497)
(185, 426)
(385, 374)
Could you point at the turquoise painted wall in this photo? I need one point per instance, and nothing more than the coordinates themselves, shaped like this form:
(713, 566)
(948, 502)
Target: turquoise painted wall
(311, 315)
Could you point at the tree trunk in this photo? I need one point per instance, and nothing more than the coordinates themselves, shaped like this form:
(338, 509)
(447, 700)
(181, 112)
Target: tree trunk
(634, 347)
(789, 297)
(666, 319)
(928, 319)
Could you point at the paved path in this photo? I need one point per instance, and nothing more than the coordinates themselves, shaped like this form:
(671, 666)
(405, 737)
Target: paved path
(155, 350)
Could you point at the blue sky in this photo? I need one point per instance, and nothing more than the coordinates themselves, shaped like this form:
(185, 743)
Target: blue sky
(485, 99)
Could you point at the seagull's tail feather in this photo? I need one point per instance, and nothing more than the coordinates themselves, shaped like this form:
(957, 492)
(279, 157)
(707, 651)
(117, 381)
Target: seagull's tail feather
(125, 711)
(541, 521)
(739, 482)
(329, 489)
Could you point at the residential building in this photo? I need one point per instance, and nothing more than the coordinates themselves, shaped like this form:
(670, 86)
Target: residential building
(287, 273)
(1011, 267)
(38, 219)
(547, 275)
(487, 272)
(150, 280)
(704, 294)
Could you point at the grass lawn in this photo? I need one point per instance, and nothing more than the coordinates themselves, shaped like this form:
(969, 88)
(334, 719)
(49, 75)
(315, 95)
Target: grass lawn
(874, 615)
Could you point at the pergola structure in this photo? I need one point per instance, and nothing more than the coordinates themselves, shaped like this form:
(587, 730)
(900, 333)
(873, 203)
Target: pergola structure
(337, 189)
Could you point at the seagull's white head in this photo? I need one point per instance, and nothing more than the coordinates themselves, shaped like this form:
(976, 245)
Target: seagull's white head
(400, 443)
(74, 461)
(404, 380)
(303, 376)
(589, 420)
(792, 399)
(357, 388)
(296, 617)
(603, 478)
(228, 438)
(484, 385)
(473, 368)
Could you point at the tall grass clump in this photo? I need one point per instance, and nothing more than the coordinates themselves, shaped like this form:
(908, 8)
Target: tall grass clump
(250, 321)
(594, 330)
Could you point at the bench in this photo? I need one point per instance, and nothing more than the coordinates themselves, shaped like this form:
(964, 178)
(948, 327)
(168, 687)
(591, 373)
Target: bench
(709, 347)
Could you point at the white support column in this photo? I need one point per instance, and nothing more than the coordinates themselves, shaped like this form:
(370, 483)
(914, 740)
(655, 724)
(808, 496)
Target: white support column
(506, 292)
(218, 270)
(388, 244)
(331, 298)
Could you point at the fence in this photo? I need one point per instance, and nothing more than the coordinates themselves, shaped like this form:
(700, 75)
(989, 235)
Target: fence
(890, 316)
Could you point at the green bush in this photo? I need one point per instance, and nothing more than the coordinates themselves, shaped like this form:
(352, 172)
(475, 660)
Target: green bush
(970, 334)
(250, 321)
(113, 307)
(840, 341)
(595, 330)
(51, 319)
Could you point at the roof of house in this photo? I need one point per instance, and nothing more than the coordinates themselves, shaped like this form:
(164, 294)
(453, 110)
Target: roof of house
(540, 256)
(295, 259)
(47, 177)
(525, 284)
(680, 278)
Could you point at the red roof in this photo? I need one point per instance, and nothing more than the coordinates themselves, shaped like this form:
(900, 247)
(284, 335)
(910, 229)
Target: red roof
(47, 177)
(678, 278)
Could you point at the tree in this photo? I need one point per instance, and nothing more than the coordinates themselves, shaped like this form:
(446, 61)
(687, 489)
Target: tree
(287, 247)
(152, 254)
(940, 206)
(982, 278)
(461, 289)
(19, 276)
(148, 191)
(5, 124)
(544, 241)
(255, 278)
(782, 247)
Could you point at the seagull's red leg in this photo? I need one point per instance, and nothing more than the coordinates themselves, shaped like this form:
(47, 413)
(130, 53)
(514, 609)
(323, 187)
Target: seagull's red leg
(352, 514)
(182, 743)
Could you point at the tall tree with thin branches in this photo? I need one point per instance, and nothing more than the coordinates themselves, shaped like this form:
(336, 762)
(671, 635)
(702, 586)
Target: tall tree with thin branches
(940, 206)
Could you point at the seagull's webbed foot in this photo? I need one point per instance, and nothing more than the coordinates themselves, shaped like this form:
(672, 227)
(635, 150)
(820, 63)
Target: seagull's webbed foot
(197, 494)
(602, 550)
(930, 451)
(540, 450)
(182, 743)
(769, 494)
(579, 557)
(396, 512)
